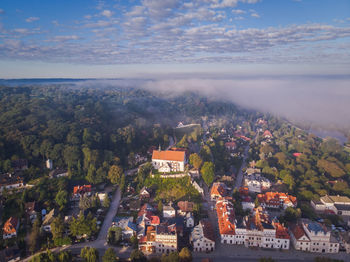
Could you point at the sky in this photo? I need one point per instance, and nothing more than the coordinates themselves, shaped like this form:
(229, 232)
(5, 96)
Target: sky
(115, 38)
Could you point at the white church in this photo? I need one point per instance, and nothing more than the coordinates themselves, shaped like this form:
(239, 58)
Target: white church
(169, 161)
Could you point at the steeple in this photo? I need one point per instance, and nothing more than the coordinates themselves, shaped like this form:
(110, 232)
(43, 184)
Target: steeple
(159, 149)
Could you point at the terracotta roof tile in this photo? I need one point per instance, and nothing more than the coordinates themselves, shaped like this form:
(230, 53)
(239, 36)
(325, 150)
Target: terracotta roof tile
(168, 155)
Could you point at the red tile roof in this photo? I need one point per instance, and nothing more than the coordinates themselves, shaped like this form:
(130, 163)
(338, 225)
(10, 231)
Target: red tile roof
(267, 133)
(10, 226)
(81, 189)
(155, 220)
(275, 198)
(297, 231)
(281, 231)
(185, 206)
(226, 217)
(218, 189)
(297, 154)
(230, 144)
(169, 155)
(208, 230)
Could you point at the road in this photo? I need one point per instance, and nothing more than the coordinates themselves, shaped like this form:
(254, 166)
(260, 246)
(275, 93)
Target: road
(239, 177)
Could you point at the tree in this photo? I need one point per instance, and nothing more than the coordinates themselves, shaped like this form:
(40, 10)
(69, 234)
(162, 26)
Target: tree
(114, 235)
(89, 254)
(207, 172)
(196, 161)
(57, 227)
(114, 174)
(64, 256)
(185, 255)
(110, 256)
(160, 207)
(137, 256)
(289, 180)
(61, 198)
(292, 214)
(34, 237)
(268, 259)
(106, 202)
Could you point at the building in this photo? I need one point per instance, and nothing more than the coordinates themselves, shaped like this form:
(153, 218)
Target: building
(10, 228)
(230, 145)
(345, 239)
(339, 205)
(299, 238)
(126, 224)
(49, 164)
(277, 200)
(159, 240)
(218, 190)
(321, 239)
(202, 237)
(144, 193)
(226, 221)
(58, 172)
(46, 225)
(185, 207)
(169, 161)
(197, 187)
(79, 191)
(256, 183)
(189, 220)
(247, 203)
(10, 181)
(30, 210)
(267, 134)
(169, 211)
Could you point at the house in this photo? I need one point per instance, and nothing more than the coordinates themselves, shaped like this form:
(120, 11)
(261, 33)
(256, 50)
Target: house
(58, 172)
(169, 161)
(197, 187)
(189, 220)
(10, 228)
(10, 254)
(102, 196)
(46, 225)
(49, 164)
(134, 205)
(30, 210)
(230, 145)
(339, 205)
(226, 221)
(79, 191)
(247, 203)
(169, 211)
(267, 134)
(299, 238)
(19, 164)
(146, 208)
(218, 190)
(144, 193)
(185, 207)
(321, 239)
(126, 224)
(159, 240)
(276, 200)
(202, 237)
(256, 183)
(10, 181)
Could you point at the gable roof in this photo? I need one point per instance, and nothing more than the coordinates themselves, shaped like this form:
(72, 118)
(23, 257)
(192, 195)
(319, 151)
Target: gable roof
(298, 231)
(81, 189)
(185, 206)
(267, 133)
(10, 225)
(168, 155)
(208, 230)
(218, 189)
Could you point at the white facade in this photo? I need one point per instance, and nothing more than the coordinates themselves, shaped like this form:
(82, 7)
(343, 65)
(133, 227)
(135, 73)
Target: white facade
(168, 212)
(256, 183)
(248, 206)
(189, 220)
(165, 243)
(199, 242)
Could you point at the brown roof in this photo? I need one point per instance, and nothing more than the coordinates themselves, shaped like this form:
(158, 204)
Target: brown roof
(30, 207)
(168, 155)
(208, 230)
(297, 231)
(218, 189)
(185, 206)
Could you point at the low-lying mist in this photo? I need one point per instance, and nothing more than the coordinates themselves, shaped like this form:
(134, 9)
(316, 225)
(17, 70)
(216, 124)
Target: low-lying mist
(311, 101)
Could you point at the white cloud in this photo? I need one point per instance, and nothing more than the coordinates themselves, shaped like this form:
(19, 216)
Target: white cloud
(107, 13)
(21, 30)
(256, 15)
(32, 19)
(238, 11)
(63, 38)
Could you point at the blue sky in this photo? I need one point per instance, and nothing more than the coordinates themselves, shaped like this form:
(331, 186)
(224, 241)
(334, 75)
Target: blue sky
(95, 38)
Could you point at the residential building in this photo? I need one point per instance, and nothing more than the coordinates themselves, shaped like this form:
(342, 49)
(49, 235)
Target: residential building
(58, 172)
(126, 224)
(256, 183)
(277, 200)
(226, 221)
(345, 239)
(230, 145)
(79, 191)
(185, 207)
(247, 203)
(197, 187)
(10, 181)
(169, 161)
(30, 210)
(145, 193)
(169, 211)
(10, 228)
(218, 190)
(46, 225)
(299, 238)
(267, 134)
(189, 220)
(49, 164)
(202, 237)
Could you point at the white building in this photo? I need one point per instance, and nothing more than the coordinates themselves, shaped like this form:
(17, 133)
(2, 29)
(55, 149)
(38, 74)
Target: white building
(318, 237)
(10, 181)
(169, 161)
(202, 237)
(169, 211)
(339, 205)
(49, 164)
(256, 183)
(189, 220)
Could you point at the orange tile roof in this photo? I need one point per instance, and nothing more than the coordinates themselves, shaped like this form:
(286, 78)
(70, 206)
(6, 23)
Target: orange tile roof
(82, 189)
(298, 231)
(267, 133)
(274, 198)
(10, 226)
(169, 155)
(281, 231)
(226, 216)
(218, 189)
